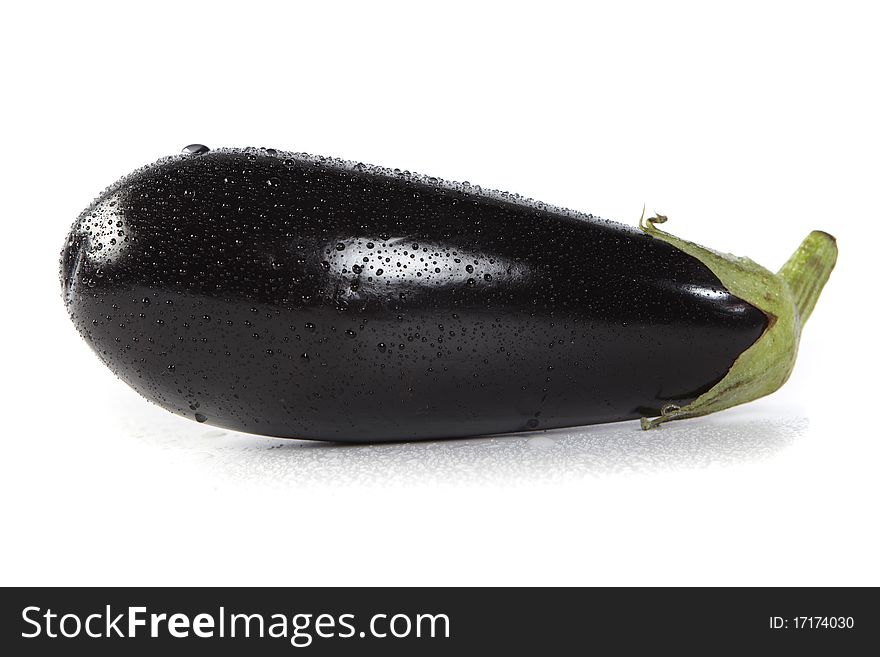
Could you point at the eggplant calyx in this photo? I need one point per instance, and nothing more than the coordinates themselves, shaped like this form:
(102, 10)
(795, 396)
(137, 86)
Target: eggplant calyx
(787, 298)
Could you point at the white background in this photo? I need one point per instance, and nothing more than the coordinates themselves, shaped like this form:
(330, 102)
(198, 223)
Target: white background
(748, 127)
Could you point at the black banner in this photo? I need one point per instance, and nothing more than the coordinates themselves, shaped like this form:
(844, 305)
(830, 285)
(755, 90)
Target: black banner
(113, 621)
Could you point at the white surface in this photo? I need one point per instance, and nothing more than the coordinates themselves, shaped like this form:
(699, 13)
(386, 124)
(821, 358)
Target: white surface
(748, 127)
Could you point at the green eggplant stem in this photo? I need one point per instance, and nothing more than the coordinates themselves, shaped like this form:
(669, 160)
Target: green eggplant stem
(787, 298)
(808, 269)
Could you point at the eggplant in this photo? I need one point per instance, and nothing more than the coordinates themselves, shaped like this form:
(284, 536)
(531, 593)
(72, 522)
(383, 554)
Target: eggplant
(307, 297)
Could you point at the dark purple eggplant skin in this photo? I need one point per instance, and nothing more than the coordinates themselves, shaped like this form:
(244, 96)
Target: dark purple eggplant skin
(305, 297)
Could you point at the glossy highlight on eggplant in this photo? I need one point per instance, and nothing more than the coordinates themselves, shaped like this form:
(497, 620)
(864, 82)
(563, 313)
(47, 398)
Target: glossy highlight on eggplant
(306, 297)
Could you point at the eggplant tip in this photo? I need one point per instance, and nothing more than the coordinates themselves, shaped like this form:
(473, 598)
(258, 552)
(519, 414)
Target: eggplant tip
(787, 298)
